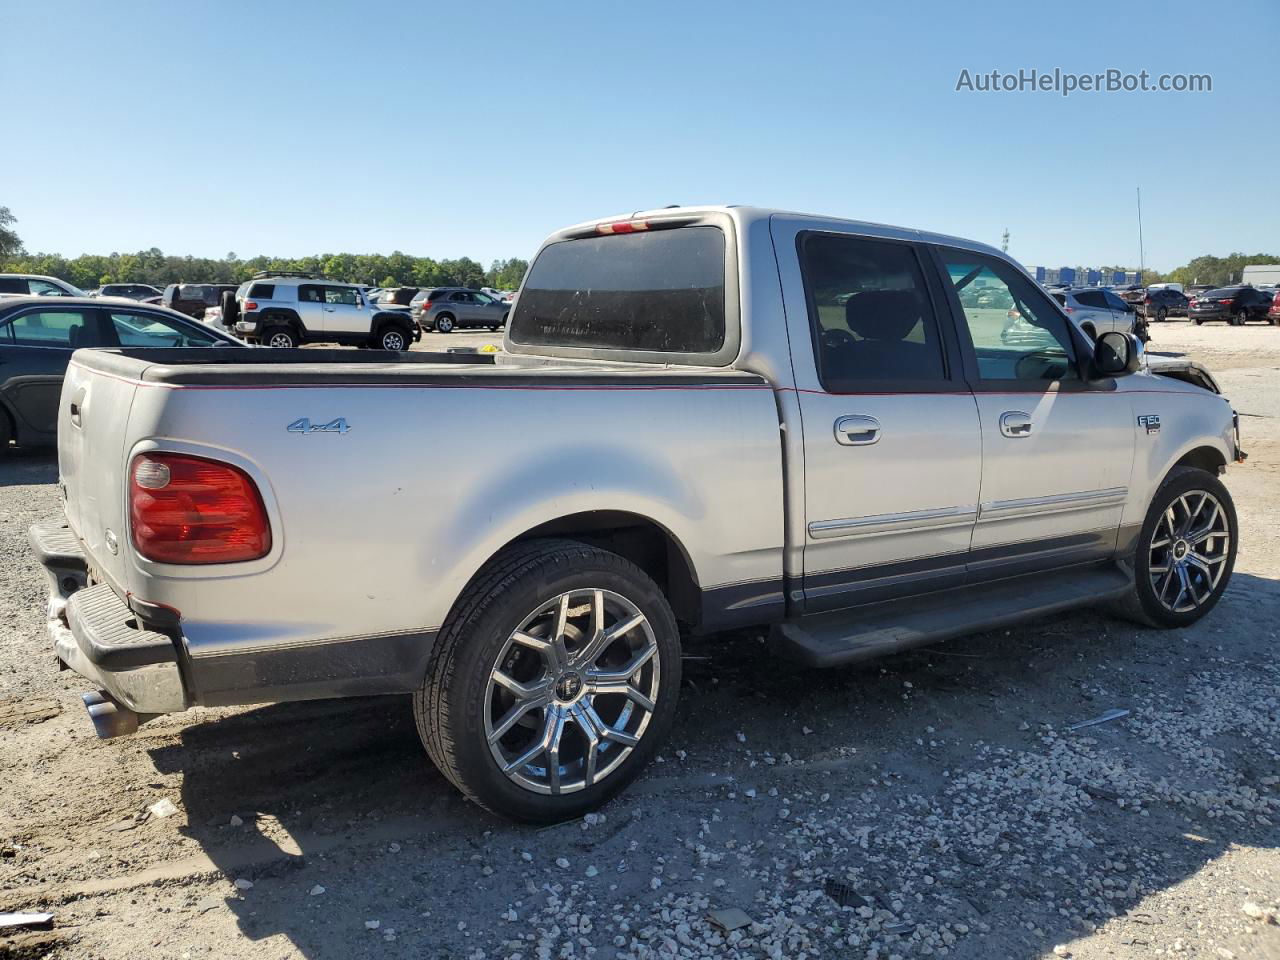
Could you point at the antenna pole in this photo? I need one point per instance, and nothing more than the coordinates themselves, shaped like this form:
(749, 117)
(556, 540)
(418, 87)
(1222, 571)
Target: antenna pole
(1142, 257)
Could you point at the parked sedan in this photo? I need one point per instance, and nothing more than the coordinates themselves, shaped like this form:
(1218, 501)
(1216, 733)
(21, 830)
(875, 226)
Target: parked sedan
(1235, 305)
(457, 308)
(143, 292)
(33, 285)
(1161, 304)
(37, 338)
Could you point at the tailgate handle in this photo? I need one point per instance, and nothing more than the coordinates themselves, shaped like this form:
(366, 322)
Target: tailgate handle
(76, 403)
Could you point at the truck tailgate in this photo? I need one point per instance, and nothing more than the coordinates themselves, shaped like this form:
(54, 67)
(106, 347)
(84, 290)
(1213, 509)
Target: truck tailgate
(93, 417)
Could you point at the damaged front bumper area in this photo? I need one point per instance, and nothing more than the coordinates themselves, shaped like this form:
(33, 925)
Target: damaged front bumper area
(95, 634)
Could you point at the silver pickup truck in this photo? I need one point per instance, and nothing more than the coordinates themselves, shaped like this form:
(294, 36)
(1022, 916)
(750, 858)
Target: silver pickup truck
(703, 419)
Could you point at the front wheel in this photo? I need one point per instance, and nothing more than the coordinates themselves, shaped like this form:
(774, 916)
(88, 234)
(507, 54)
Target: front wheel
(553, 681)
(393, 338)
(1186, 551)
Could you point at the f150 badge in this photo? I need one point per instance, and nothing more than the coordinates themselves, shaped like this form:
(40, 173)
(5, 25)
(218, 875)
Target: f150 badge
(1149, 422)
(304, 425)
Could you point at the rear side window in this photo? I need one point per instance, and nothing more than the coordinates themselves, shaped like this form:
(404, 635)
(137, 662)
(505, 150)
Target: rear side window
(661, 291)
(871, 313)
(1092, 298)
(13, 285)
(50, 328)
(262, 291)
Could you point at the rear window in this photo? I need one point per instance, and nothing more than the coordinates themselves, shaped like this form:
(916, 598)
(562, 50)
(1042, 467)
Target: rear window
(662, 292)
(262, 291)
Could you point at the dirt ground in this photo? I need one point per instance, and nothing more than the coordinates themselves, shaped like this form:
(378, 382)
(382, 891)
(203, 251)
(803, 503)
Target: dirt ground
(933, 804)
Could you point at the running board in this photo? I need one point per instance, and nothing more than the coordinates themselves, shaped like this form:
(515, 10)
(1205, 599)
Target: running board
(847, 636)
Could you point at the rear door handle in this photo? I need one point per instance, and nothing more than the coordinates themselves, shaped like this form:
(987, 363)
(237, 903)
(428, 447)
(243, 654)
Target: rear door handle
(857, 431)
(1015, 424)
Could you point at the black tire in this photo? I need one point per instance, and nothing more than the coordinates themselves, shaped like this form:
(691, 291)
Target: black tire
(1144, 604)
(280, 337)
(504, 320)
(1241, 318)
(1090, 332)
(1162, 315)
(393, 338)
(1197, 321)
(444, 323)
(452, 709)
(6, 433)
(230, 308)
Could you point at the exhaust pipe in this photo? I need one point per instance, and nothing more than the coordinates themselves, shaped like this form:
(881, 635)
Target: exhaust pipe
(110, 719)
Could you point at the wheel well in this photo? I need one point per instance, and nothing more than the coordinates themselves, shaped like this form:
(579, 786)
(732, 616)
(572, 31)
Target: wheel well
(1203, 458)
(280, 318)
(649, 546)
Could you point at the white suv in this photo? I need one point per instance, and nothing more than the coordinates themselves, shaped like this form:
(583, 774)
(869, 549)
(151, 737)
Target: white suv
(288, 310)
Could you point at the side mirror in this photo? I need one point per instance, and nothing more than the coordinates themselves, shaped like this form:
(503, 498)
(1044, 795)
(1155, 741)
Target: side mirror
(1117, 354)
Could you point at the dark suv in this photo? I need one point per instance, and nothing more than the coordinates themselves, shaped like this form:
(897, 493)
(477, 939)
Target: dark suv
(194, 299)
(1235, 305)
(1159, 305)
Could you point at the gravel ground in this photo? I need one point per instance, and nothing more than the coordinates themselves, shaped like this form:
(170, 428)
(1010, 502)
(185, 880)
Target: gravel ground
(932, 804)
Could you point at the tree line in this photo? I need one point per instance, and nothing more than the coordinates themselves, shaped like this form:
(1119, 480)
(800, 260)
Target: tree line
(159, 269)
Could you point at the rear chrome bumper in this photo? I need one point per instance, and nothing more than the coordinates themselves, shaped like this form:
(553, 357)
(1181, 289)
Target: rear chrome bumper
(95, 633)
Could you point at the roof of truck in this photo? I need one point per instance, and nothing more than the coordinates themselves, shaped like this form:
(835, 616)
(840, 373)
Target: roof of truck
(746, 214)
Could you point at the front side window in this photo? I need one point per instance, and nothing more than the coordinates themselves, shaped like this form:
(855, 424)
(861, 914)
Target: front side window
(69, 329)
(1027, 339)
(657, 291)
(149, 330)
(871, 313)
(343, 296)
(43, 288)
(1114, 302)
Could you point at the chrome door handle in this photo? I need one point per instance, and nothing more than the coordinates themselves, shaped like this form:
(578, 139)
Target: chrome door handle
(1015, 424)
(857, 431)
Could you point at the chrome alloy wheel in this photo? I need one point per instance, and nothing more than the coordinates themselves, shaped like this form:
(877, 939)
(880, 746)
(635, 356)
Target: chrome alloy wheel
(280, 341)
(1189, 551)
(572, 691)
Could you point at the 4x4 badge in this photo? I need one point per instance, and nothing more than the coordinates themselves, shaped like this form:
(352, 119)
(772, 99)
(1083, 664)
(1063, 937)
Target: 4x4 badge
(1149, 422)
(304, 425)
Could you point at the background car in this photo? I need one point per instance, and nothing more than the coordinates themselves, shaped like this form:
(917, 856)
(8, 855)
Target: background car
(397, 298)
(1236, 305)
(1096, 311)
(141, 292)
(37, 338)
(458, 308)
(193, 299)
(1162, 303)
(423, 297)
(34, 285)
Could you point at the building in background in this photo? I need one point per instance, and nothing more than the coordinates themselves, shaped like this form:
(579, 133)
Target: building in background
(1260, 274)
(1085, 276)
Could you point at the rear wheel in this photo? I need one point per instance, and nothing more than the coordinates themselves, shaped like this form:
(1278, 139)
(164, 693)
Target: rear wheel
(282, 338)
(1186, 551)
(6, 433)
(1162, 315)
(1089, 331)
(1242, 317)
(553, 681)
(444, 323)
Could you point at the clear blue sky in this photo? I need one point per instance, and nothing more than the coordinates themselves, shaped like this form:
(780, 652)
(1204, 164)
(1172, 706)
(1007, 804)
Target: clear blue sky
(477, 128)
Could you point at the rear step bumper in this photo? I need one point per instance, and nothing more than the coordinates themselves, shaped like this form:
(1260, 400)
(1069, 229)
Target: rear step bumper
(95, 634)
(847, 636)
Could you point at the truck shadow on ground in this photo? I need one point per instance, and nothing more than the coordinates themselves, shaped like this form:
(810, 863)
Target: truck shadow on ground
(21, 467)
(339, 793)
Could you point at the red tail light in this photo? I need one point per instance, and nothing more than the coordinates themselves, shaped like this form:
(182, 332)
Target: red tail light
(1147, 300)
(622, 226)
(191, 510)
(251, 305)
